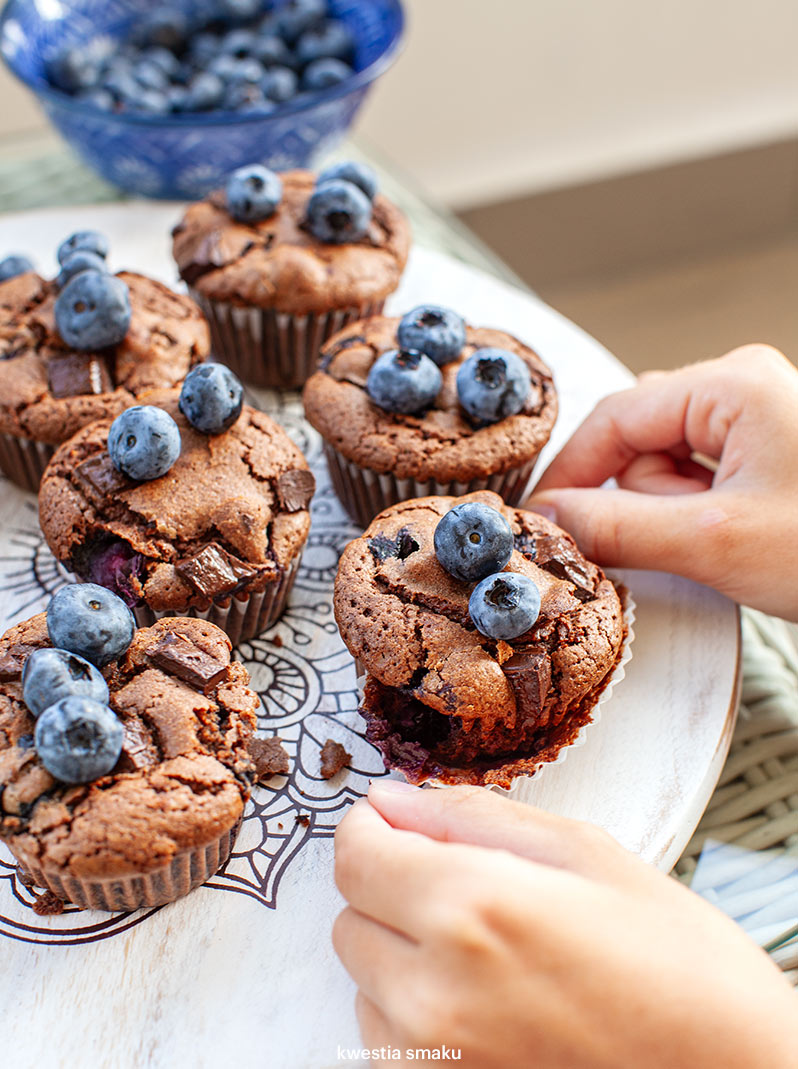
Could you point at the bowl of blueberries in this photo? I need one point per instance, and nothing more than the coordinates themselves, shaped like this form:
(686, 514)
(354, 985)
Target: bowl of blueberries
(166, 99)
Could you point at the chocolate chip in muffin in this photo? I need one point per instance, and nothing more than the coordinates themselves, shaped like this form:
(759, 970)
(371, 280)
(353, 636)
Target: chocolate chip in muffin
(178, 655)
(295, 489)
(74, 374)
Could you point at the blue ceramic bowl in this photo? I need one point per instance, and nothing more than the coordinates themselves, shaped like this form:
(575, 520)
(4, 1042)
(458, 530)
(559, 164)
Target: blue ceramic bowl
(185, 156)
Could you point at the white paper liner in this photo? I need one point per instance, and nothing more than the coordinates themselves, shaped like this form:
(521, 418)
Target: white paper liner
(273, 349)
(364, 493)
(519, 785)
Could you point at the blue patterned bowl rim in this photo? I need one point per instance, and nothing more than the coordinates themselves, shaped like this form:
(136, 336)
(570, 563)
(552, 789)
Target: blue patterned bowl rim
(359, 80)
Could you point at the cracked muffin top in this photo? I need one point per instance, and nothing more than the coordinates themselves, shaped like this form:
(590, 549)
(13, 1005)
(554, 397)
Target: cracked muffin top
(277, 263)
(441, 444)
(49, 390)
(184, 773)
(229, 516)
(439, 694)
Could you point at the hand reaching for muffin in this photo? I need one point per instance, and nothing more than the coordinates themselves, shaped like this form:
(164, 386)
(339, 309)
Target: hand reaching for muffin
(734, 529)
(523, 938)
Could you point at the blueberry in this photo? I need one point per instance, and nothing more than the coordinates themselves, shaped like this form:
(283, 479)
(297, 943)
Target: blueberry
(78, 740)
(98, 98)
(205, 91)
(204, 46)
(177, 95)
(76, 68)
(324, 74)
(149, 75)
(14, 265)
(116, 566)
(360, 175)
(253, 193)
(272, 51)
(438, 332)
(82, 260)
(473, 541)
(239, 10)
(93, 311)
(238, 43)
(338, 212)
(233, 70)
(50, 675)
(211, 398)
(244, 96)
(153, 101)
(504, 606)
(90, 240)
(280, 84)
(144, 442)
(166, 61)
(330, 39)
(90, 621)
(121, 84)
(406, 382)
(294, 18)
(493, 384)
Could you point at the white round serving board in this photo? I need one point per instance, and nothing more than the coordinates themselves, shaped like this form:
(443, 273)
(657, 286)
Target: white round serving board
(244, 969)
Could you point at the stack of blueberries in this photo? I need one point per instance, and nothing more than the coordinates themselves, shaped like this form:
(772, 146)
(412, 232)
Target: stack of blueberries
(242, 60)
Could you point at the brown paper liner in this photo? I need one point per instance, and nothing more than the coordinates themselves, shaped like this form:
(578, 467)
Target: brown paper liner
(364, 493)
(23, 460)
(269, 348)
(187, 870)
(241, 617)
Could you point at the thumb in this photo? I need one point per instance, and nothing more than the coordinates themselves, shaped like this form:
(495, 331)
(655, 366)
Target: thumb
(479, 817)
(688, 534)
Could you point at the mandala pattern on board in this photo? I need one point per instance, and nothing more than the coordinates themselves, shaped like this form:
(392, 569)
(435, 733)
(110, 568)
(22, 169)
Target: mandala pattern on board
(306, 681)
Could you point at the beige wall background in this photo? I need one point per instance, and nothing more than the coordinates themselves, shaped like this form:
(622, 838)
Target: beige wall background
(499, 98)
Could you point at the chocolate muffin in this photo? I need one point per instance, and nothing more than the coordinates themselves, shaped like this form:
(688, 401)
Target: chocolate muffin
(272, 292)
(441, 699)
(219, 535)
(377, 457)
(165, 817)
(49, 390)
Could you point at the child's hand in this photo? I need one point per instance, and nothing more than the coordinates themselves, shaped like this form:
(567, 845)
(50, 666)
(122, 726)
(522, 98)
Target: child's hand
(524, 939)
(738, 531)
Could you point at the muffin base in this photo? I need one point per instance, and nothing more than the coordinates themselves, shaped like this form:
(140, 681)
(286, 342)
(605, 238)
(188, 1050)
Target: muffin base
(187, 870)
(23, 460)
(273, 349)
(364, 493)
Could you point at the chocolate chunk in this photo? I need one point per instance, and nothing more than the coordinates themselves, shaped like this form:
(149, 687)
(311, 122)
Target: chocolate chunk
(99, 479)
(529, 674)
(214, 250)
(402, 546)
(48, 905)
(79, 373)
(214, 571)
(269, 756)
(333, 758)
(178, 655)
(295, 489)
(138, 749)
(555, 555)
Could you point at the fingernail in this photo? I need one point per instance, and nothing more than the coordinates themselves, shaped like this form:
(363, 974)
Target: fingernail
(392, 786)
(547, 511)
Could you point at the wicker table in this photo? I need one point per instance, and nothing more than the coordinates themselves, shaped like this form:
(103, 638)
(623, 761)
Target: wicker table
(755, 806)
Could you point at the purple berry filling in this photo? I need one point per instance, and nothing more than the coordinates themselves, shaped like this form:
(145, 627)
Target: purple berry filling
(118, 568)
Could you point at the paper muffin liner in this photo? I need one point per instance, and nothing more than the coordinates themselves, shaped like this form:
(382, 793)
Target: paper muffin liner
(187, 870)
(240, 616)
(364, 493)
(273, 349)
(520, 784)
(23, 460)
